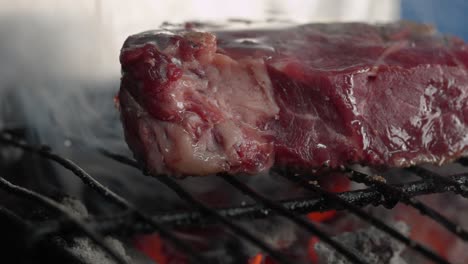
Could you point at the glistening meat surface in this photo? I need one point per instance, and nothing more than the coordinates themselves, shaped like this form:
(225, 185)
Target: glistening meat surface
(195, 102)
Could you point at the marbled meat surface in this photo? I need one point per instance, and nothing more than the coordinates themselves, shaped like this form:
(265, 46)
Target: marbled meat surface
(196, 101)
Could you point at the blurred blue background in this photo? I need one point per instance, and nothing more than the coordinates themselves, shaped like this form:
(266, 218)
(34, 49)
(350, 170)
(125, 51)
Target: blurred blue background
(449, 16)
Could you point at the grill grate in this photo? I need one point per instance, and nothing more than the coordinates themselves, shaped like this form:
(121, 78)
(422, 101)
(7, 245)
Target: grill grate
(430, 175)
(204, 210)
(309, 226)
(47, 202)
(422, 208)
(372, 220)
(377, 193)
(359, 198)
(99, 188)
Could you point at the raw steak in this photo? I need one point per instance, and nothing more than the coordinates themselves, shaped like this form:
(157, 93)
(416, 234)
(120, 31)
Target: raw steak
(197, 101)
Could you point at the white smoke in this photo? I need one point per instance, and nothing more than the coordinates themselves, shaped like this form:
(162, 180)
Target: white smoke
(54, 78)
(59, 65)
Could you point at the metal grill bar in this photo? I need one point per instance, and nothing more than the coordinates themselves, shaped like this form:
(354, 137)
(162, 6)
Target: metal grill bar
(278, 208)
(427, 174)
(350, 255)
(51, 204)
(184, 195)
(117, 223)
(95, 185)
(393, 195)
(200, 206)
(369, 218)
(13, 218)
(102, 190)
(396, 195)
(237, 229)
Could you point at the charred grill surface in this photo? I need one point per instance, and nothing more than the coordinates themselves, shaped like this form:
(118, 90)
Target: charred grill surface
(129, 222)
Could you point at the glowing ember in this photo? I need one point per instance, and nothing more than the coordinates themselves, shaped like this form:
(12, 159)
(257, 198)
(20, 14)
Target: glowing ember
(257, 259)
(154, 248)
(421, 229)
(335, 183)
(312, 253)
(260, 259)
(321, 217)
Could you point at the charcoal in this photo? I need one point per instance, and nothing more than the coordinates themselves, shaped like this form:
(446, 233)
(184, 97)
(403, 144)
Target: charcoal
(375, 246)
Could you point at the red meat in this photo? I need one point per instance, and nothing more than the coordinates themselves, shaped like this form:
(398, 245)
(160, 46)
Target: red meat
(195, 102)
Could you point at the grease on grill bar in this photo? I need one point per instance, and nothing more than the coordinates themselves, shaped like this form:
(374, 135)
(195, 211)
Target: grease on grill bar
(380, 193)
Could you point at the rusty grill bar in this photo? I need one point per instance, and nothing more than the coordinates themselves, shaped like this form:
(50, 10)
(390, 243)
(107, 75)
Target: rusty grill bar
(377, 193)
